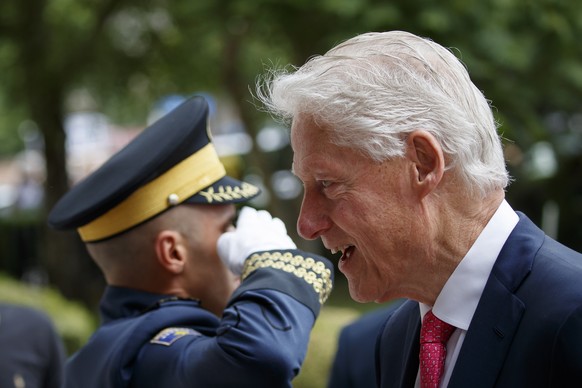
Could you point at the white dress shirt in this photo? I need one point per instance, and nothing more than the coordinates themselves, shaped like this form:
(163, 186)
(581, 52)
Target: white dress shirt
(458, 300)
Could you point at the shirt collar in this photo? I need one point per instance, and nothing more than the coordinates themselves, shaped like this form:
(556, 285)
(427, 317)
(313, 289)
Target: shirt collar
(460, 295)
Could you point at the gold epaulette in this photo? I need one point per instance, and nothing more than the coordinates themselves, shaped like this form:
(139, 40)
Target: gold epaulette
(311, 271)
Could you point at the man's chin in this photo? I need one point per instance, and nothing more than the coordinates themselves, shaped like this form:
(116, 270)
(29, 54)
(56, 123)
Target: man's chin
(359, 295)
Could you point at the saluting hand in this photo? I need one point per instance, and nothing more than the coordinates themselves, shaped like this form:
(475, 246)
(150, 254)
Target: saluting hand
(256, 231)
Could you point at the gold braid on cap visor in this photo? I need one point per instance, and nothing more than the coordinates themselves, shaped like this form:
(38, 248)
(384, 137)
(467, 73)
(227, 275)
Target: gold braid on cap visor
(179, 183)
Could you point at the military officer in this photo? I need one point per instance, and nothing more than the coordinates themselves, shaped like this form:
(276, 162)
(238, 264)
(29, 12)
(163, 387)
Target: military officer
(191, 300)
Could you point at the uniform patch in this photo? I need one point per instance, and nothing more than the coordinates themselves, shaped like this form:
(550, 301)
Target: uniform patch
(171, 334)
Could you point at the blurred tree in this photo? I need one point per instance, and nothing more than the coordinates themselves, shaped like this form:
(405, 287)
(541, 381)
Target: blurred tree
(47, 45)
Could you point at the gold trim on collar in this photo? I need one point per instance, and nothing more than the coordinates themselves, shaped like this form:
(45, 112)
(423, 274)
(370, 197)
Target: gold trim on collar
(179, 183)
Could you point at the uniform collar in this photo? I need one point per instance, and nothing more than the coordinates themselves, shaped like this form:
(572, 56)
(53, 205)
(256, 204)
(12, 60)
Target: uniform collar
(121, 302)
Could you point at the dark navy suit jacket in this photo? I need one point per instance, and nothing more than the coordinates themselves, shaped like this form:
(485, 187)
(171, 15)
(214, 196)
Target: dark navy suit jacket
(526, 331)
(353, 365)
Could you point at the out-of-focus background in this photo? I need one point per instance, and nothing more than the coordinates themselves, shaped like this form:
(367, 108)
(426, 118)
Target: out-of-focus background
(80, 78)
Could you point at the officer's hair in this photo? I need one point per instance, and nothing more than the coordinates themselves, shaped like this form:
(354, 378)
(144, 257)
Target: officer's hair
(134, 250)
(376, 88)
(127, 252)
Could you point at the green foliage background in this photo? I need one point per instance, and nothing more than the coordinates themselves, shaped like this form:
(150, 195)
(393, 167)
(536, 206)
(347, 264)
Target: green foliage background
(322, 346)
(119, 57)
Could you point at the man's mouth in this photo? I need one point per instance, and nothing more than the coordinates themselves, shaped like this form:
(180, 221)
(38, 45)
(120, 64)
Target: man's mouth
(346, 251)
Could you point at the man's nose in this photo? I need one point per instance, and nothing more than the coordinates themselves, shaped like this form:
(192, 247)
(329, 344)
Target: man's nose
(312, 221)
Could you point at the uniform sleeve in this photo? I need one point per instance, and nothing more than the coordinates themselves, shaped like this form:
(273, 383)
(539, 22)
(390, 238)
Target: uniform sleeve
(263, 335)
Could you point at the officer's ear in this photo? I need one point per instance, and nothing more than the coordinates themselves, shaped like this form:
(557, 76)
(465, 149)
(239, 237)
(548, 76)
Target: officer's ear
(171, 251)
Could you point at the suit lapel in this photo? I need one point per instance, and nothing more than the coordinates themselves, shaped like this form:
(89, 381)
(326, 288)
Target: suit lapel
(499, 312)
(398, 354)
(411, 351)
(488, 339)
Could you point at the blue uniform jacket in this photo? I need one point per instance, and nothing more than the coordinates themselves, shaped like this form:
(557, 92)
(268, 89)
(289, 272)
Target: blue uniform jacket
(149, 340)
(526, 331)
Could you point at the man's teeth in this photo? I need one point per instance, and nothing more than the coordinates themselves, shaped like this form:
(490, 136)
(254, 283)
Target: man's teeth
(338, 249)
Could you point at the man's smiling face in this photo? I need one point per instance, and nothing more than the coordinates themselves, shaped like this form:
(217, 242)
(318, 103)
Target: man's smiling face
(359, 207)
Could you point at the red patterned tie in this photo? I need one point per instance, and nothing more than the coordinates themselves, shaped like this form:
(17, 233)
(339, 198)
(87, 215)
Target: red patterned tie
(434, 335)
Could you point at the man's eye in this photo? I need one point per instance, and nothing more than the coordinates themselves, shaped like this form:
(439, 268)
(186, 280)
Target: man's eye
(325, 184)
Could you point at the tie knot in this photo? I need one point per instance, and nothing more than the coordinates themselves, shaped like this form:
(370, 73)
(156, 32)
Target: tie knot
(434, 330)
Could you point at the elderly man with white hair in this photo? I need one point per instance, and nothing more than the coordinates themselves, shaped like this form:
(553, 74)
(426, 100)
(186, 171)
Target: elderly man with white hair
(404, 175)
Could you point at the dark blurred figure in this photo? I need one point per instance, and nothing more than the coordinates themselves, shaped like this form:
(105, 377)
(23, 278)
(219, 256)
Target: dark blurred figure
(31, 352)
(353, 365)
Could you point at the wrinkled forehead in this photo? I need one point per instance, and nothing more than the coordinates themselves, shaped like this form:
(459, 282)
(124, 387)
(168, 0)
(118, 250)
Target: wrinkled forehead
(308, 130)
(309, 141)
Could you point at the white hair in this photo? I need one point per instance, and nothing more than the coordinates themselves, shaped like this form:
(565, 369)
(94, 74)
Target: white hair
(376, 88)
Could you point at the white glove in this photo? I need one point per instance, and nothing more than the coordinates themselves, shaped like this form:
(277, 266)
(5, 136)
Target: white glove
(256, 231)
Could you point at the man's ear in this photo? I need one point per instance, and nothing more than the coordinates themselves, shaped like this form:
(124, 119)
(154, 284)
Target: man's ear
(171, 251)
(428, 160)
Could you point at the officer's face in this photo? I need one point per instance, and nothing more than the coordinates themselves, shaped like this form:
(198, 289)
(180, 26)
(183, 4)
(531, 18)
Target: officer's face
(361, 208)
(208, 278)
